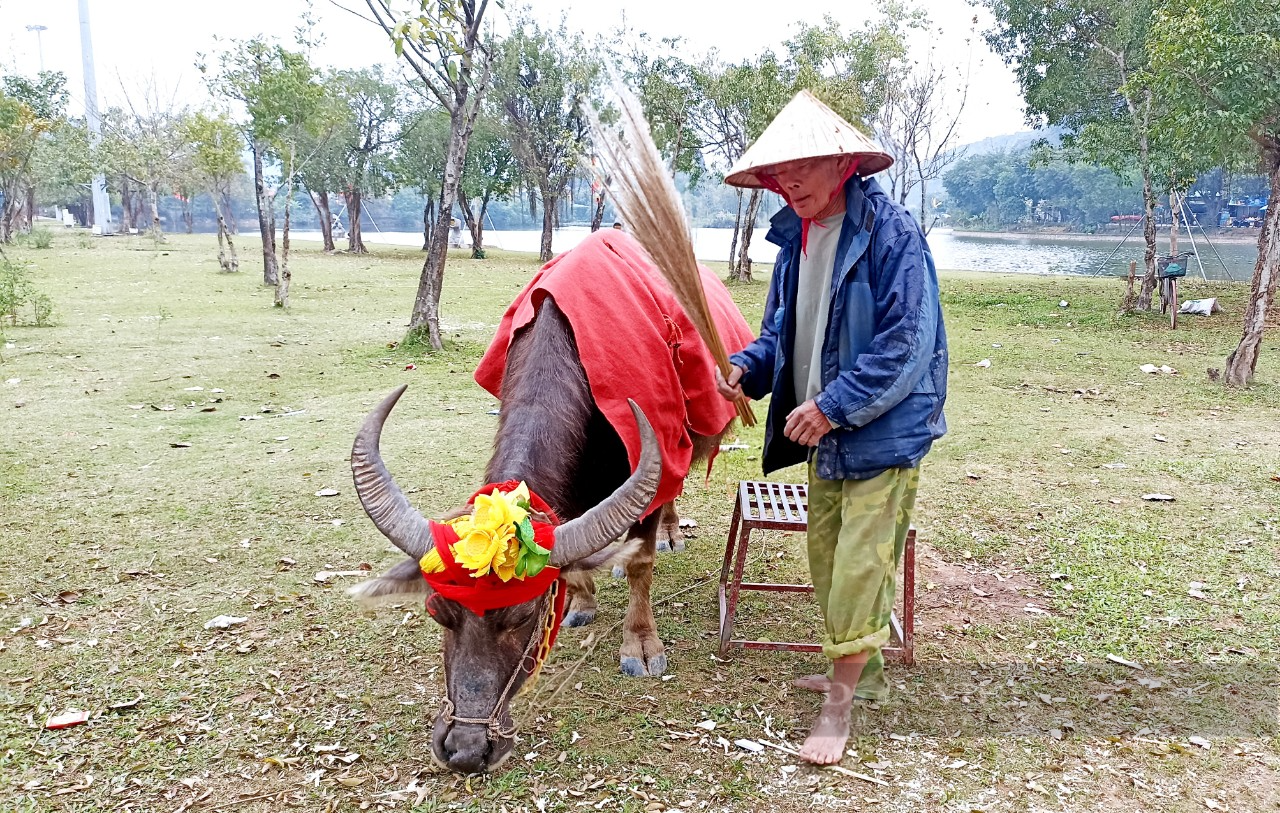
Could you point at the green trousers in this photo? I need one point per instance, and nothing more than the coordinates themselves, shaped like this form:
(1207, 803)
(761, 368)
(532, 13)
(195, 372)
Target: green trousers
(857, 529)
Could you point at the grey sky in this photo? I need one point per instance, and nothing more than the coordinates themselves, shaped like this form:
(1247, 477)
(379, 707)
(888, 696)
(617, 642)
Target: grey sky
(138, 42)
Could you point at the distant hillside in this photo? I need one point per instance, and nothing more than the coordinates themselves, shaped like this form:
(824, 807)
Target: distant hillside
(1010, 143)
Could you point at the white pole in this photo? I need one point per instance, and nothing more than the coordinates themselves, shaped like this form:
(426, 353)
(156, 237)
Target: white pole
(39, 42)
(101, 203)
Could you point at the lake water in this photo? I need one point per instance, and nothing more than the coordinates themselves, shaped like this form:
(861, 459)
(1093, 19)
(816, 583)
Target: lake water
(959, 252)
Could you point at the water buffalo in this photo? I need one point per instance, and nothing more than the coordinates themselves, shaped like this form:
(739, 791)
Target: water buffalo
(555, 433)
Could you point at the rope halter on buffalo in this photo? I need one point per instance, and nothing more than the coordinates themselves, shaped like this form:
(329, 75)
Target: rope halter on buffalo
(494, 557)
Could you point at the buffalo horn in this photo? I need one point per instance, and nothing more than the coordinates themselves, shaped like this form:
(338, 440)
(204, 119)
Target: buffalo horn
(382, 499)
(595, 529)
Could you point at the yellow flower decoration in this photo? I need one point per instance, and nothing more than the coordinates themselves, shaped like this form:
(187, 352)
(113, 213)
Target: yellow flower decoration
(490, 538)
(432, 563)
(477, 549)
(498, 510)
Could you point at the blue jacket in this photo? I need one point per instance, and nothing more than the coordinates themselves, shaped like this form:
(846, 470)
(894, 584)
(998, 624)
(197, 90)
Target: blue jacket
(884, 356)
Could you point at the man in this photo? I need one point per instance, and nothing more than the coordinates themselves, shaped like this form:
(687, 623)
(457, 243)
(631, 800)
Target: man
(853, 351)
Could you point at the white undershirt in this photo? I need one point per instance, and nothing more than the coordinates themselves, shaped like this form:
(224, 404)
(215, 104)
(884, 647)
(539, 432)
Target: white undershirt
(813, 304)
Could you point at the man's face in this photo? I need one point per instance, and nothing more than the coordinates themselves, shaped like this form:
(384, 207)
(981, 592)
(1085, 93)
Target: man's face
(811, 183)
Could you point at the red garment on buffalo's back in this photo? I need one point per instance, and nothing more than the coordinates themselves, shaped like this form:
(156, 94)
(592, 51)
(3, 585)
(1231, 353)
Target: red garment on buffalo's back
(635, 342)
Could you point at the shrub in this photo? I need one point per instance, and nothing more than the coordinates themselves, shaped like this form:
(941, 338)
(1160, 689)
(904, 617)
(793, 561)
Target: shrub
(20, 302)
(41, 238)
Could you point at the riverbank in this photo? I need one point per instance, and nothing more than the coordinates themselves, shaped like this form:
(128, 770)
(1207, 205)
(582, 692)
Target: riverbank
(1241, 236)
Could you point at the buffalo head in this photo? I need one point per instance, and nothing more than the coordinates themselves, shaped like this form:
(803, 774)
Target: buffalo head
(489, 657)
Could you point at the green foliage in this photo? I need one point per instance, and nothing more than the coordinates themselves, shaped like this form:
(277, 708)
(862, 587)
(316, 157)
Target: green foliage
(442, 42)
(64, 163)
(542, 78)
(1217, 65)
(672, 94)
(418, 161)
(41, 238)
(1080, 64)
(216, 148)
(850, 71)
(491, 171)
(278, 87)
(365, 124)
(46, 95)
(29, 110)
(1002, 188)
(20, 302)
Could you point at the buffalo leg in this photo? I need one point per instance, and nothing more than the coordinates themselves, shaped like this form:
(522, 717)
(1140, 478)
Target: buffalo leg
(670, 537)
(642, 652)
(580, 606)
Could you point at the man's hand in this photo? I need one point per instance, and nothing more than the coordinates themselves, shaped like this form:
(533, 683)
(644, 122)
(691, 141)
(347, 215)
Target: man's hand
(731, 390)
(806, 424)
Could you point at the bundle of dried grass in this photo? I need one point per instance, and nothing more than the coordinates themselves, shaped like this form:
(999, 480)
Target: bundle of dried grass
(649, 205)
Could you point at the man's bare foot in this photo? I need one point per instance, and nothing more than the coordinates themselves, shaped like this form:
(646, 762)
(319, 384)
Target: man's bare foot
(825, 743)
(813, 683)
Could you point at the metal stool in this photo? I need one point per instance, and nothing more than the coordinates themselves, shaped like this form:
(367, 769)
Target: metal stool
(785, 507)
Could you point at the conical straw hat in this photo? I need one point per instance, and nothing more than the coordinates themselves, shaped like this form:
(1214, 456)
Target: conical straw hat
(806, 128)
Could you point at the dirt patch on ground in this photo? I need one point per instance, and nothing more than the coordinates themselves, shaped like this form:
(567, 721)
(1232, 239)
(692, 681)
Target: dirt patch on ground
(968, 594)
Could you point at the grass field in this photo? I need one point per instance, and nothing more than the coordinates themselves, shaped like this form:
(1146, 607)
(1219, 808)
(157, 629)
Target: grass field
(164, 442)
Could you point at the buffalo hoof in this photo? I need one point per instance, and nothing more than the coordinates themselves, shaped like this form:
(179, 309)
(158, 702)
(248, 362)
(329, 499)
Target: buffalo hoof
(634, 667)
(676, 545)
(579, 618)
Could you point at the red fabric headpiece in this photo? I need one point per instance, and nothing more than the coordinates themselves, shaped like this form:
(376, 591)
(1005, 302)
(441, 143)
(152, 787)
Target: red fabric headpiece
(490, 592)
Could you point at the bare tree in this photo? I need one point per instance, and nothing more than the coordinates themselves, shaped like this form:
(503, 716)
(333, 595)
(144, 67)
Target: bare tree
(918, 127)
(146, 143)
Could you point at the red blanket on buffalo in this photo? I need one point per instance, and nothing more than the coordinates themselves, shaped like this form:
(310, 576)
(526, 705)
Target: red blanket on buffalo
(635, 342)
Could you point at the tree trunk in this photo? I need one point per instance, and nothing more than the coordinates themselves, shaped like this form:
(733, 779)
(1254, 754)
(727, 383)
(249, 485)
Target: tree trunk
(227, 260)
(733, 243)
(475, 224)
(126, 206)
(477, 245)
(233, 223)
(924, 225)
(426, 304)
(1149, 237)
(7, 215)
(603, 195)
(428, 215)
(1262, 291)
(31, 208)
(266, 219)
(320, 200)
(355, 203)
(187, 218)
(284, 277)
(548, 225)
(1148, 226)
(153, 198)
(468, 217)
(743, 271)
